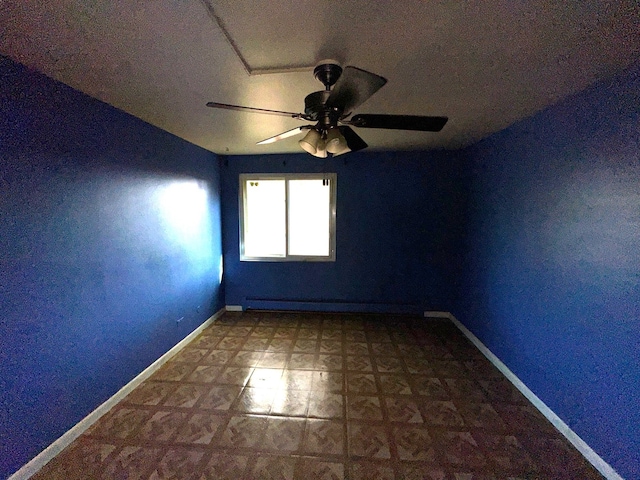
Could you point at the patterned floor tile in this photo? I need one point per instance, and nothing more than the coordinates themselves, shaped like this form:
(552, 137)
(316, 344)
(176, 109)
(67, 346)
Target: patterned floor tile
(132, 462)
(283, 434)
(426, 471)
(327, 382)
(383, 349)
(329, 362)
(331, 346)
(185, 395)
(273, 360)
(331, 333)
(220, 397)
(243, 431)
(238, 331)
(430, 387)
(506, 453)
(389, 365)
(368, 441)
(305, 346)
(223, 466)
(363, 408)
(298, 379)
(441, 413)
(218, 357)
(311, 468)
(367, 470)
(119, 423)
(178, 464)
(274, 468)
(173, 371)
(245, 359)
(411, 351)
(263, 332)
(206, 341)
(238, 376)
(359, 363)
(255, 344)
(302, 361)
(290, 403)
(205, 374)
(150, 393)
(266, 378)
(285, 332)
(255, 400)
(394, 384)
(481, 415)
(414, 443)
(418, 365)
(355, 336)
(357, 348)
(403, 410)
(460, 448)
(200, 428)
(361, 383)
(449, 369)
(280, 345)
(325, 437)
(291, 395)
(191, 355)
(465, 389)
(162, 425)
(230, 343)
(84, 457)
(502, 390)
(308, 334)
(325, 404)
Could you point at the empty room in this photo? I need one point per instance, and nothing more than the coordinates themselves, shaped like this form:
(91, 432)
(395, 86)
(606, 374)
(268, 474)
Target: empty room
(333, 240)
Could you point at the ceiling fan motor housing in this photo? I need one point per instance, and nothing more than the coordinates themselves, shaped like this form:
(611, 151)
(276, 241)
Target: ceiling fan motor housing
(327, 72)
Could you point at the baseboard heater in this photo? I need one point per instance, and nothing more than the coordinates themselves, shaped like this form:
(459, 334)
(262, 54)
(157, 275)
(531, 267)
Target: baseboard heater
(330, 305)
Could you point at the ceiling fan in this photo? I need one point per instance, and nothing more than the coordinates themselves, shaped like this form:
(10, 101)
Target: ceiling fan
(331, 107)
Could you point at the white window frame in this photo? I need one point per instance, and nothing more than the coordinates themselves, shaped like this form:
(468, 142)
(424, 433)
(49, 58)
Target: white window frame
(332, 177)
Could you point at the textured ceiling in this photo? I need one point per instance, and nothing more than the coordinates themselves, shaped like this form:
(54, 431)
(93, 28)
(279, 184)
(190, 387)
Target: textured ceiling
(485, 64)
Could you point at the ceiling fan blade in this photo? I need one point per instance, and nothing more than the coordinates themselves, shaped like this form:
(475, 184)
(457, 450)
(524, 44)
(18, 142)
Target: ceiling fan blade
(283, 135)
(354, 142)
(353, 88)
(240, 108)
(399, 122)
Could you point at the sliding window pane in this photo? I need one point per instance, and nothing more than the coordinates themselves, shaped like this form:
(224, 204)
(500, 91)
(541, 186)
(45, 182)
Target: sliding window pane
(264, 218)
(309, 217)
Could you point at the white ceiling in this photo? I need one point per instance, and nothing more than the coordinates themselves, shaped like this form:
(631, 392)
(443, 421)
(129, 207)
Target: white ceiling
(485, 64)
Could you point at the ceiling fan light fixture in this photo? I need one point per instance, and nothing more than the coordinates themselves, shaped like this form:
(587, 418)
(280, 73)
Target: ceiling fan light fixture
(311, 141)
(321, 150)
(336, 143)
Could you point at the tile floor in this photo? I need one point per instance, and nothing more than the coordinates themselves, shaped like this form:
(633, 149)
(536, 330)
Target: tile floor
(323, 396)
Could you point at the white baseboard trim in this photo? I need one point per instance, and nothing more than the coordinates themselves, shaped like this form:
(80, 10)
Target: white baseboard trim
(596, 460)
(233, 308)
(44, 457)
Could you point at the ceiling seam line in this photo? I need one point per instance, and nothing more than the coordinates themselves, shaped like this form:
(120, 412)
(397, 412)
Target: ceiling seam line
(227, 36)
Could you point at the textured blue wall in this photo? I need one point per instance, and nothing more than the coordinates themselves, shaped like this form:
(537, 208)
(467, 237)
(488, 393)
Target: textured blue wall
(109, 232)
(397, 243)
(552, 284)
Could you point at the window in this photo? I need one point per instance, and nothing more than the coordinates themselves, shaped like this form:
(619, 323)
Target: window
(288, 217)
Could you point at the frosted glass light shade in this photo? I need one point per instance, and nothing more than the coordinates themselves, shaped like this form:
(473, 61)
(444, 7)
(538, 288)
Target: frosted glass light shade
(311, 141)
(335, 141)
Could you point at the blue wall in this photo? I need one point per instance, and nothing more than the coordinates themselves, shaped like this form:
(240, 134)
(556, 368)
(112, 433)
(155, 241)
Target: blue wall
(109, 232)
(552, 281)
(397, 244)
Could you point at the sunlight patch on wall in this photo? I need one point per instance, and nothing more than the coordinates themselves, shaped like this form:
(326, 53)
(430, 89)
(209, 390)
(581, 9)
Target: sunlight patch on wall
(184, 211)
